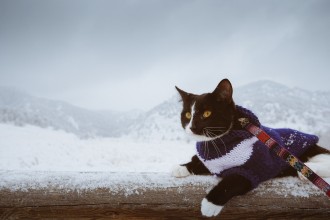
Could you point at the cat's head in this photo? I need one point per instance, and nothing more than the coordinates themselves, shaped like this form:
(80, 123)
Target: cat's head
(209, 115)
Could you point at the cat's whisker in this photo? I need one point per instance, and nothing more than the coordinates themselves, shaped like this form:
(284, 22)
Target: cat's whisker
(213, 144)
(221, 141)
(210, 133)
(214, 133)
(217, 149)
(207, 134)
(224, 144)
(216, 127)
(207, 146)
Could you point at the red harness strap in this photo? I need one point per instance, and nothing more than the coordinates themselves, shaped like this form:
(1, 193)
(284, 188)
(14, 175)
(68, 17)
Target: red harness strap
(288, 157)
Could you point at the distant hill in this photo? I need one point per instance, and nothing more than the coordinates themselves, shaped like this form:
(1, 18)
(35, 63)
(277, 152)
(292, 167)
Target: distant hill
(281, 106)
(20, 109)
(276, 105)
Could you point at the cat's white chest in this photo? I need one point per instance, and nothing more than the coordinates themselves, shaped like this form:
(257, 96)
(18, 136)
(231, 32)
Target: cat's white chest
(236, 157)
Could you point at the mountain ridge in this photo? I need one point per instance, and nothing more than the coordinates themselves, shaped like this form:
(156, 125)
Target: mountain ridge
(275, 104)
(20, 108)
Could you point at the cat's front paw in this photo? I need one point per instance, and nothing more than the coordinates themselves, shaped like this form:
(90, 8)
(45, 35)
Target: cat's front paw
(302, 177)
(180, 171)
(312, 166)
(209, 209)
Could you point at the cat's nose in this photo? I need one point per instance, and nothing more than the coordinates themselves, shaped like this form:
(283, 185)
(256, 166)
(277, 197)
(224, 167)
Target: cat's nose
(193, 128)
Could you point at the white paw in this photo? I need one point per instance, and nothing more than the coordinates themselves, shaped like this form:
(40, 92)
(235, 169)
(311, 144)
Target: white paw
(209, 209)
(180, 171)
(321, 168)
(302, 177)
(320, 164)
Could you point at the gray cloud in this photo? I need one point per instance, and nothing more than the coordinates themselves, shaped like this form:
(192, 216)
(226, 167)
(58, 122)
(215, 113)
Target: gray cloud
(130, 54)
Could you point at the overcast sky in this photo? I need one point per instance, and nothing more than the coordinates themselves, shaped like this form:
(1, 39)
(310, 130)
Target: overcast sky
(123, 55)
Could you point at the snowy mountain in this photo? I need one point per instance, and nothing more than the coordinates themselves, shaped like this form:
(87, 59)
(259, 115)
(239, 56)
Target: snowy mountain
(279, 105)
(19, 108)
(160, 123)
(276, 105)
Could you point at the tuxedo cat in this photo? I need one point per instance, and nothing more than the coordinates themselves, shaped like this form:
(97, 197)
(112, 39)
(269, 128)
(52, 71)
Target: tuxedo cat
(226, 150)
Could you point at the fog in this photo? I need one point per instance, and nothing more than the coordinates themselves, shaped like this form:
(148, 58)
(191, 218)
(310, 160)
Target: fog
(124, 55)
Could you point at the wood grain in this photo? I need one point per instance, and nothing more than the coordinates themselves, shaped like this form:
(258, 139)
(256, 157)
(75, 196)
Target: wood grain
(151, 196)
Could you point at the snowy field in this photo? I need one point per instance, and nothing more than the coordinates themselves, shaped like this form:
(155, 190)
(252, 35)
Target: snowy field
(27, 154)
(36, 149)
(31, 148)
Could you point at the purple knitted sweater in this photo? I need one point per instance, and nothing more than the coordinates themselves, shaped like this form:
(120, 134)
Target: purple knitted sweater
(239, 152)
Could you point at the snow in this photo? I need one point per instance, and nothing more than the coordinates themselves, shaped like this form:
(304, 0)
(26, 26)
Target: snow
(128, 183)
(291, 186)
(88, 149)
(28, 153)
(38, 149)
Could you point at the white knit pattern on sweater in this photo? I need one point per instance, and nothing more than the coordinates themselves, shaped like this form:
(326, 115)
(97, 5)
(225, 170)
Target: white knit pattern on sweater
(236, 157)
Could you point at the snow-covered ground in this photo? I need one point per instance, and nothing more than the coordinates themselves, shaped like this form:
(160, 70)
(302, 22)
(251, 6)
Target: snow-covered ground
(27, 154)
(38, 149)
(107, 142)
(32, 148)
(133, 183)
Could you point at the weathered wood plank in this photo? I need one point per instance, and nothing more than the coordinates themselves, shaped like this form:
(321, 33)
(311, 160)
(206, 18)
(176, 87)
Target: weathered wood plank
(147, 195)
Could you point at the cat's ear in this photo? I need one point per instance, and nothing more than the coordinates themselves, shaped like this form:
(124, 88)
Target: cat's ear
(184, 95)
(224, 91)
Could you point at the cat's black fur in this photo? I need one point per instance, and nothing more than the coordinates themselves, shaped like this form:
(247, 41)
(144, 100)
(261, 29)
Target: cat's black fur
(221, 104)
(218, 101)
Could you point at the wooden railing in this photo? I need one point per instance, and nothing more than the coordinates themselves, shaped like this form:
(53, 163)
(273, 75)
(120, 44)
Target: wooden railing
(34, 195)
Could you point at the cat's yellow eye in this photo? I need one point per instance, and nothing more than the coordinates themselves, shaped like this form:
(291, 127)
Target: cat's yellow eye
(188, 115)
(207, 114)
